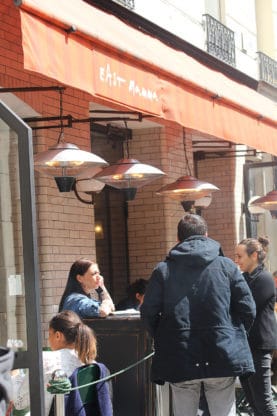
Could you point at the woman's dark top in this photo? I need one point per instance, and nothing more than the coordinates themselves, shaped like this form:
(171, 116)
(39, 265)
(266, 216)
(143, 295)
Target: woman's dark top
(263, 333)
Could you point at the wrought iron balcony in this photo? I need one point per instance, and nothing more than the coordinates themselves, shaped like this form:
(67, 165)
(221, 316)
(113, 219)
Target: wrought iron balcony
(267, 69)
(220, 40)
(129, 4)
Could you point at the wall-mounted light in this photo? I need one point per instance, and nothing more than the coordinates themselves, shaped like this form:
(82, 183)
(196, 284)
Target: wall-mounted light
(128, 175)
(255, 210)
(267, 202)
(187, 189)
(99, 232)
(65, 160)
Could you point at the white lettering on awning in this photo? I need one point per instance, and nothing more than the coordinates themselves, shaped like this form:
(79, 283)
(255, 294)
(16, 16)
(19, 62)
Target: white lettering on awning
(114, 80)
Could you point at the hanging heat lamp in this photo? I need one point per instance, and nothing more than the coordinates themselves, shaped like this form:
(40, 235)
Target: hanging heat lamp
(187, 188)
(268, 202)
(65, 161)
(254, 210)
(128, 174)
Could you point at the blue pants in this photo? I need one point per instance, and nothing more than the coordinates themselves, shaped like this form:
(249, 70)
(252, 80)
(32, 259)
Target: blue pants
(257, 387)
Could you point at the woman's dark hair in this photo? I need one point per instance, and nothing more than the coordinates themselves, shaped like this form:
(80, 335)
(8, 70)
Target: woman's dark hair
(191, 224)
(80, 266)
(77, 333)
(259, 245)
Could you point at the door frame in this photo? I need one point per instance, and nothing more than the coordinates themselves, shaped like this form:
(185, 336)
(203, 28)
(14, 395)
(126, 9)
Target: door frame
(32, 357)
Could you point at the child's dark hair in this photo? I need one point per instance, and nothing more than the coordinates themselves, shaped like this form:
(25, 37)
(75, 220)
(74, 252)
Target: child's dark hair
(77, 333)
(138, 286)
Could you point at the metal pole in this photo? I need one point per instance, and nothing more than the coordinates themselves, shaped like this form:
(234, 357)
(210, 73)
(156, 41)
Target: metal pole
(59, 375)
(59, 405)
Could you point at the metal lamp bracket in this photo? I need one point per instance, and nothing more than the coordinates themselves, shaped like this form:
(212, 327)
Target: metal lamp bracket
(100, 116)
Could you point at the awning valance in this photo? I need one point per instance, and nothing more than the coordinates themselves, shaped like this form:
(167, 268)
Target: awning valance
(109, 59)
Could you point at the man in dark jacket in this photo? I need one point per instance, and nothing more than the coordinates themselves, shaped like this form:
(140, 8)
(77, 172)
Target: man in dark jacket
(198, 308)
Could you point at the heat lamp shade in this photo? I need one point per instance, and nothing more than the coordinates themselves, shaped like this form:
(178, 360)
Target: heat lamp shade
(269, 201)
(253, 208)
(187, 188)
(66, 158)
(128, 173)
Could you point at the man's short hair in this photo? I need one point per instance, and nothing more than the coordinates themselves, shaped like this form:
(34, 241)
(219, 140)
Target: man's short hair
(138, 286)
(191, 224)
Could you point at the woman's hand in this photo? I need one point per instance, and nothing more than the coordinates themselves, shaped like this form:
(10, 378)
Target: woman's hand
(105, 308)
(101, 282)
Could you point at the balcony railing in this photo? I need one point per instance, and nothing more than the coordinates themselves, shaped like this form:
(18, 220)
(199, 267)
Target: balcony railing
(220, 40)
(267, 69)
(129, 4)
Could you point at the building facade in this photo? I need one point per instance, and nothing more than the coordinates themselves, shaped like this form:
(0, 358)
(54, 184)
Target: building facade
(174, 65)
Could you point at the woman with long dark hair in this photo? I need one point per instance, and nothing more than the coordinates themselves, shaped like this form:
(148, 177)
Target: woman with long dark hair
(85, 292)
(250, 257)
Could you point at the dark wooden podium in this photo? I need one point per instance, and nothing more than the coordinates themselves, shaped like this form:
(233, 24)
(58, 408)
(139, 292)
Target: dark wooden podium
(122, 341)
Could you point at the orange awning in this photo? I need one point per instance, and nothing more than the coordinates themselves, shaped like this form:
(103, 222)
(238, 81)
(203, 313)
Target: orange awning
(109, 59)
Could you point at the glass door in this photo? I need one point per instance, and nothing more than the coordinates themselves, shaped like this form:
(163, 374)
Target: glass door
(259, 179)
(19, 279)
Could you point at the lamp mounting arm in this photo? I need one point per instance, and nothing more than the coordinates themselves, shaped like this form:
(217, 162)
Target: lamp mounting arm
(84, 201)
(107, 115)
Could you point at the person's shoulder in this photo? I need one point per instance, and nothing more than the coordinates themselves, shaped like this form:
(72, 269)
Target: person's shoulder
(229, 267)
(226, 261)
(101, 365)
(63, 352)
(266, 276)
(161, 268)
(74, 296)
(74, 300)
(162, 263)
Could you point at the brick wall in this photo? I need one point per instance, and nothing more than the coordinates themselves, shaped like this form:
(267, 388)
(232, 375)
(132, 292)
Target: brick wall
(220, 215)
(152, 218)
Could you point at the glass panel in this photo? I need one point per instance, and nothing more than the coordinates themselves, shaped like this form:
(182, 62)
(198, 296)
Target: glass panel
(21, 394)
(261, 181)
(12, 300)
